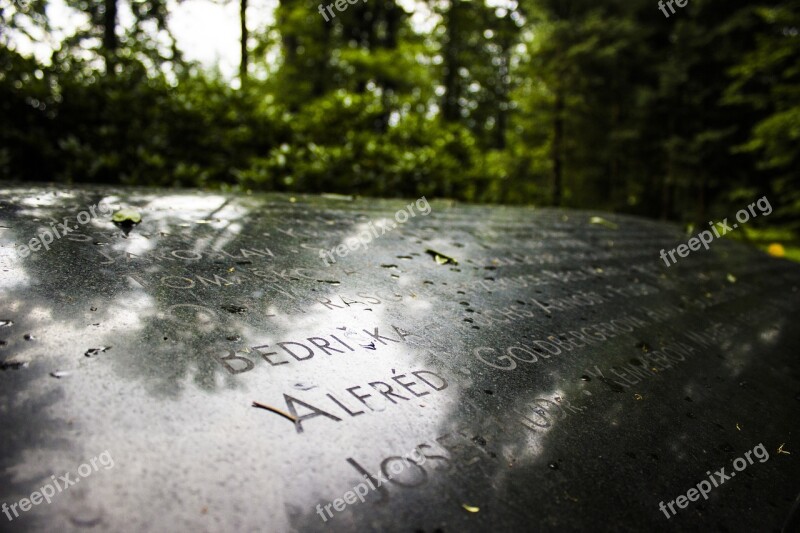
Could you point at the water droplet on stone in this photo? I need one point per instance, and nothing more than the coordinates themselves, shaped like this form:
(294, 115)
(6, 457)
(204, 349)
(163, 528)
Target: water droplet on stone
(91, 352)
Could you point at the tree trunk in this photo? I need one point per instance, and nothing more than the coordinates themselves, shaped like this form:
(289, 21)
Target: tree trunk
(558, 143)
(245, 35)
(503, 82)
(450, 108)
(667, 185)
(110, 33)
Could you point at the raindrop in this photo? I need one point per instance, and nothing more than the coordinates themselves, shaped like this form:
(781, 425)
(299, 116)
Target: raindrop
(13, 365)
(489, 391)
(236, 309)
(60, 374)
(613, 386)
(233, 338)
(477, 439)
(330, 281)
(91, 352)
(28, 337)
(585, 378)
(553, 466)
(6, 323)
(303, 386)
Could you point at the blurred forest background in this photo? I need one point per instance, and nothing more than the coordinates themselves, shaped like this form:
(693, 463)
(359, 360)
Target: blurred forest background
(605, 104)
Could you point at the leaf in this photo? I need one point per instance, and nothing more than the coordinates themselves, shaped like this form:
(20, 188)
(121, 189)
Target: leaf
(126, 216)
(603, 222)
(441, 258)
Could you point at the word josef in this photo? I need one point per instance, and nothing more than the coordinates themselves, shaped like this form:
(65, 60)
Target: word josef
(361, 490)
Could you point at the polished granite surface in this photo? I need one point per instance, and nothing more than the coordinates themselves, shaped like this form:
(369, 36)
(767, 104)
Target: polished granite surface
(486, 368)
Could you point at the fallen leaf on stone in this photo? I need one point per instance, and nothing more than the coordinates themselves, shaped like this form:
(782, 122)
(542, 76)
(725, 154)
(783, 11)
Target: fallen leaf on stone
(603, 222)
(441, 258)
(126, 216)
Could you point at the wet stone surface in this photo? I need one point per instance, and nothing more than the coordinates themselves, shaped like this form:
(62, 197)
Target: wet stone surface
(487, 368)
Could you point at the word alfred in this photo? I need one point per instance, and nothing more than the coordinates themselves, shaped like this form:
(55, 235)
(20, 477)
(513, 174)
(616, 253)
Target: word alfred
(347, 404)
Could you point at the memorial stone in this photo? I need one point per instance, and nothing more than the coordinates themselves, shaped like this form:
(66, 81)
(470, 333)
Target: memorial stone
(328, 363)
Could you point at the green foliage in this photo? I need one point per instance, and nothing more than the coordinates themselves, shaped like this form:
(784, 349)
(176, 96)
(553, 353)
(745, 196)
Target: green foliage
(573, 102)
